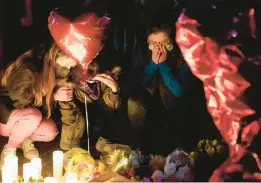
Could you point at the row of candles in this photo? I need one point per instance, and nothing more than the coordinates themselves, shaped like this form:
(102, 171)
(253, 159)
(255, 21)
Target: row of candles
(33, 170)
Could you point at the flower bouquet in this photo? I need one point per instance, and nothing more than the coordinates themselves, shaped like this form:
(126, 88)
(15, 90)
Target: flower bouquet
(208, 155)
(117, 166)
(176, 167)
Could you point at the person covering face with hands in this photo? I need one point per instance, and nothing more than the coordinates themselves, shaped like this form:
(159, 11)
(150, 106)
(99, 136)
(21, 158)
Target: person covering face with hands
(160, 45)
(157, 76)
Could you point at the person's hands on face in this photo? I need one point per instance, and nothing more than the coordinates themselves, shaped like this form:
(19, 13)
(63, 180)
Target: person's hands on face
(249, 132)
(159, 53)
(108, 80)
(163, 53)
(63, 94)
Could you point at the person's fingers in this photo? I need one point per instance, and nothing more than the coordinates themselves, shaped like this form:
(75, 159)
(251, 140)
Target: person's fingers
(158, 46)
(69, 98)
(64, 93)
(107, 79)
(62, 97)
(164, 49)
(101, 79)
(65, 98)
(65, 88)
(106, 76)
(98, 78)
(68, 92)
(161, 48)
(158, 55)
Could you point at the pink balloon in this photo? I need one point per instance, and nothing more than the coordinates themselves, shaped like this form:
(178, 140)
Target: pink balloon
(81, 38)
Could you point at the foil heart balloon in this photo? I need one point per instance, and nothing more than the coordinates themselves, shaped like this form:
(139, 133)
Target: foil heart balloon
(80, 38)
(224, 85)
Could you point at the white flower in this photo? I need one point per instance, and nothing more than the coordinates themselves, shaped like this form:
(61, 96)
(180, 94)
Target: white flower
(169, 169)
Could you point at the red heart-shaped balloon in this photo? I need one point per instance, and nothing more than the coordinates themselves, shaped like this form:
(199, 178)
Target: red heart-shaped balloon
(81, 38)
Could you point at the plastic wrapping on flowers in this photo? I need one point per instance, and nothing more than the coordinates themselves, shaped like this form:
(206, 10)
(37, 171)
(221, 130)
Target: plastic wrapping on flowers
(116, 165)
(80, 162)
(177, 166)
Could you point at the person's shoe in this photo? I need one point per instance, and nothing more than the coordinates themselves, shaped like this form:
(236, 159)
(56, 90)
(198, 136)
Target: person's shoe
(65, 146)
(7, 151)
(28, 149)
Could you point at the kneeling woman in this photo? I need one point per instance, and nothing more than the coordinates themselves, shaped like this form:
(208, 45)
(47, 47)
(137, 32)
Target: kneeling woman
(21, 96)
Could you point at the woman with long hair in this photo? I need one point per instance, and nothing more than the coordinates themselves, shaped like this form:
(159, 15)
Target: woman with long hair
(35, 83)
(61, 76)
(21, 106)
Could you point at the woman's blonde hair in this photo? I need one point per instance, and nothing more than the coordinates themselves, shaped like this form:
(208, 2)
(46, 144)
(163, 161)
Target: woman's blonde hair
(45, 81)
(49, 76)
(13, 67)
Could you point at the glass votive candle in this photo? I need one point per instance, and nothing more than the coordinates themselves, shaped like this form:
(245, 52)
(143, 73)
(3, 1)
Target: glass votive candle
(36, 168)
(50, 180)
(58, 164)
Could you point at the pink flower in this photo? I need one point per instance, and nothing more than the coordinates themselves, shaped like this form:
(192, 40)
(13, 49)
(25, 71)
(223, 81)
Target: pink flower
(157, 176)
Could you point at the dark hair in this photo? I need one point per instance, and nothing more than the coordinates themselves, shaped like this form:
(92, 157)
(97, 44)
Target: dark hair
(161, 28)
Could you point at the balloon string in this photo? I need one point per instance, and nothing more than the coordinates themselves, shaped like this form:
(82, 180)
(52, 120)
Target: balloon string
(87, 120)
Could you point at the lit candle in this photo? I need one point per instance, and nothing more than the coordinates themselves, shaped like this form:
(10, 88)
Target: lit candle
(58, 164)
(50, 180)
(11, 163)
(27, 171)
(71, 177)
(37, 167)
(7, 174)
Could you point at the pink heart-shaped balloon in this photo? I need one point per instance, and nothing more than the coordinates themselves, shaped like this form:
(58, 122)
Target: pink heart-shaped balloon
(81, 38)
